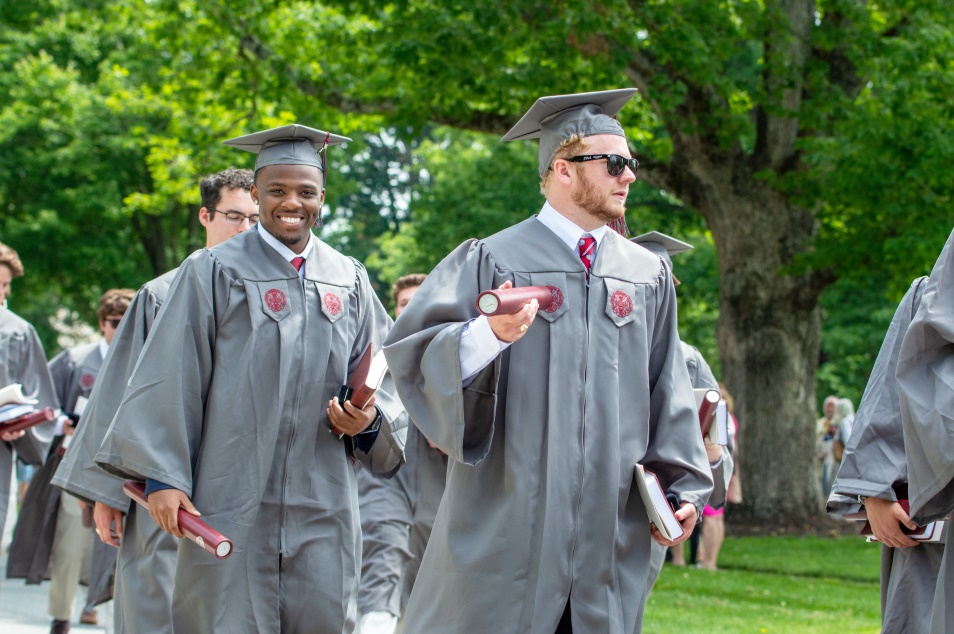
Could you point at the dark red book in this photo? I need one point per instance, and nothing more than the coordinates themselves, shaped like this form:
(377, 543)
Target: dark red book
(507, 301)
(27, 420)
(195, 529)
(365, 380)
(931, 532)
(707, 401)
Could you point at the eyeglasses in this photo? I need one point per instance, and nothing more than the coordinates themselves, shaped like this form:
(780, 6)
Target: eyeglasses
(114, 323)
(235, 217)
(615, 164)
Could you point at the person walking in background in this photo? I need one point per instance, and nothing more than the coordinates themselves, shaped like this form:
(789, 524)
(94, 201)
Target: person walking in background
(22, 361)
(713, 519)
(143, 600)
(841, 429)
(54, 532)
(824, 432)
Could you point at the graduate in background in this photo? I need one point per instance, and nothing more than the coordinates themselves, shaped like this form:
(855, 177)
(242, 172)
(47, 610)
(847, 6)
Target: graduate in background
(22, 361)
(232, 410)
(701, 377)
(52, 539)
(544, 414)
(925, 377)
(145, 569)
(397, 515)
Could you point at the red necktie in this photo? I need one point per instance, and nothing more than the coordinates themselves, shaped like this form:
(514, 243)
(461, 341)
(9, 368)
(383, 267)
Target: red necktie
(298, 263)
(587, 251)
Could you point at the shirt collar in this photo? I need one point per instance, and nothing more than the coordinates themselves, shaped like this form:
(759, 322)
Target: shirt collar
(103, 347)
(282, 249)
(566, 229)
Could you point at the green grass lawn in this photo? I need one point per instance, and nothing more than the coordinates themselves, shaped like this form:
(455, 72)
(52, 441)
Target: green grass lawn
(770, 585)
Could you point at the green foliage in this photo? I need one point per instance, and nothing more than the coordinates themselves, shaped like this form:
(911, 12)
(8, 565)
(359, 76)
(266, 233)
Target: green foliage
(773, 585)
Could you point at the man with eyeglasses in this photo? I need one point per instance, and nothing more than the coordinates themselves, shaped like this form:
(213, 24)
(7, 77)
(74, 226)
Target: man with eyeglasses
(143, 602)
(544, 413)
(50, 534)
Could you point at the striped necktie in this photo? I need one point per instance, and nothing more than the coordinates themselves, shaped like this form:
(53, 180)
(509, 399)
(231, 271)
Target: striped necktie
(587, 251)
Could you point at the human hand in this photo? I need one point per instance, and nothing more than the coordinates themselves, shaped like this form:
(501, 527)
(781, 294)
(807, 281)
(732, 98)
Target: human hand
(510, 328)
(164, 509)
(886, 518)
(10, 436)
(687, 516)
(349, 419)
(713, 451)
(109, 524)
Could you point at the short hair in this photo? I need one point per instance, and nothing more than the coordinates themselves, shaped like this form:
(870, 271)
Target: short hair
(406, 281)
(9, 256)
(115, 301)
(570, 147)
(231, 178)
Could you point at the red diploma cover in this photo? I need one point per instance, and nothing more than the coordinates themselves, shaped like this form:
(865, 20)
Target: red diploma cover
(707, 410)
(194, 528)
(27, 420)
(365, 380)
(507, 301)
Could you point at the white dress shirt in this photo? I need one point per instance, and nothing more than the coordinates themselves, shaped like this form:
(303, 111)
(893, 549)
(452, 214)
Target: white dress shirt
(479, 345)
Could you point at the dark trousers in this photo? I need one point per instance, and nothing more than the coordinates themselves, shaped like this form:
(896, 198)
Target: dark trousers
(565, 626)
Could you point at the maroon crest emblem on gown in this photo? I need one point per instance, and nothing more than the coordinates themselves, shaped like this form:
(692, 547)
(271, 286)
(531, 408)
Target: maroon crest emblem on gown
(621, 303)
(556, 299)
(87, 380)
(332, 303)
(275, 300)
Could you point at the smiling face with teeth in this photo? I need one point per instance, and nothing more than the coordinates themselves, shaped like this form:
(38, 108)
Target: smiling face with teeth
(289, 200)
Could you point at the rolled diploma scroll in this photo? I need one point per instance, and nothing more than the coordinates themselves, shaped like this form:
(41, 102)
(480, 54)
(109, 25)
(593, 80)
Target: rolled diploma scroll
(27, 420)
(507, 301)
(194, 528)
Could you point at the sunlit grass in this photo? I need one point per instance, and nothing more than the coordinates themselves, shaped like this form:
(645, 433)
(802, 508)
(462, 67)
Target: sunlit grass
(773, 585)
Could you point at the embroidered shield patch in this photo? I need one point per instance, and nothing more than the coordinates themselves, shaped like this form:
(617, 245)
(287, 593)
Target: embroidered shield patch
(87, 380)
(556, 299)
(275, 300)
(622, 303)
(332, 303)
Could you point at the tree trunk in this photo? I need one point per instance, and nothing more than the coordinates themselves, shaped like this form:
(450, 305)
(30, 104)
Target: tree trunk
(769, 331)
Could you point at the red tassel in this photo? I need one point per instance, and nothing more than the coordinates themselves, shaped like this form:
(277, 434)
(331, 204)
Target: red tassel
(619, 226)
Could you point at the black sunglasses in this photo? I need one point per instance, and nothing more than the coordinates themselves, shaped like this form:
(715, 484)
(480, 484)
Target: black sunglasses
(113, 322)
(615, 164)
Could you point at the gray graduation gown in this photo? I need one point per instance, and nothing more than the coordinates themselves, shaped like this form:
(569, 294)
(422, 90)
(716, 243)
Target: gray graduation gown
(700, 376)
(22, 361)
(227, 403)
(541, 506)
(925, 378)
(73, 372)
(874, 465)
(146, 561)
(397, 517)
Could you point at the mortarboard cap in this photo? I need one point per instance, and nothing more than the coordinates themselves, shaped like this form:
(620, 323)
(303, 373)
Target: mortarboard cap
(288, 145)
(662, 245)
(555, 119)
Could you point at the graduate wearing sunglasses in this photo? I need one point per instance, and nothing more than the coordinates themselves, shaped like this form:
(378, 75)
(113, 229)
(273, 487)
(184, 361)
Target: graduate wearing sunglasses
(543, 414)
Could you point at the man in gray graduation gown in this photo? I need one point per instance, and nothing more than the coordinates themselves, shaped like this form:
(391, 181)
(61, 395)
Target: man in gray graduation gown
(544, 413)
(874, 469)
(397, 515)
(232, 408)
(925, 378)
(146, 561)
(700, 377)
(51, 539)
(22, 361)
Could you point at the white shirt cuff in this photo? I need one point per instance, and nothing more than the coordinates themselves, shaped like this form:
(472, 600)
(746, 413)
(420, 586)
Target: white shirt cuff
(479, 346)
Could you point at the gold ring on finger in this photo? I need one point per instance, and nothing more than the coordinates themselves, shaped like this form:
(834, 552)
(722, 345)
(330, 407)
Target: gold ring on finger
(524, 327)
